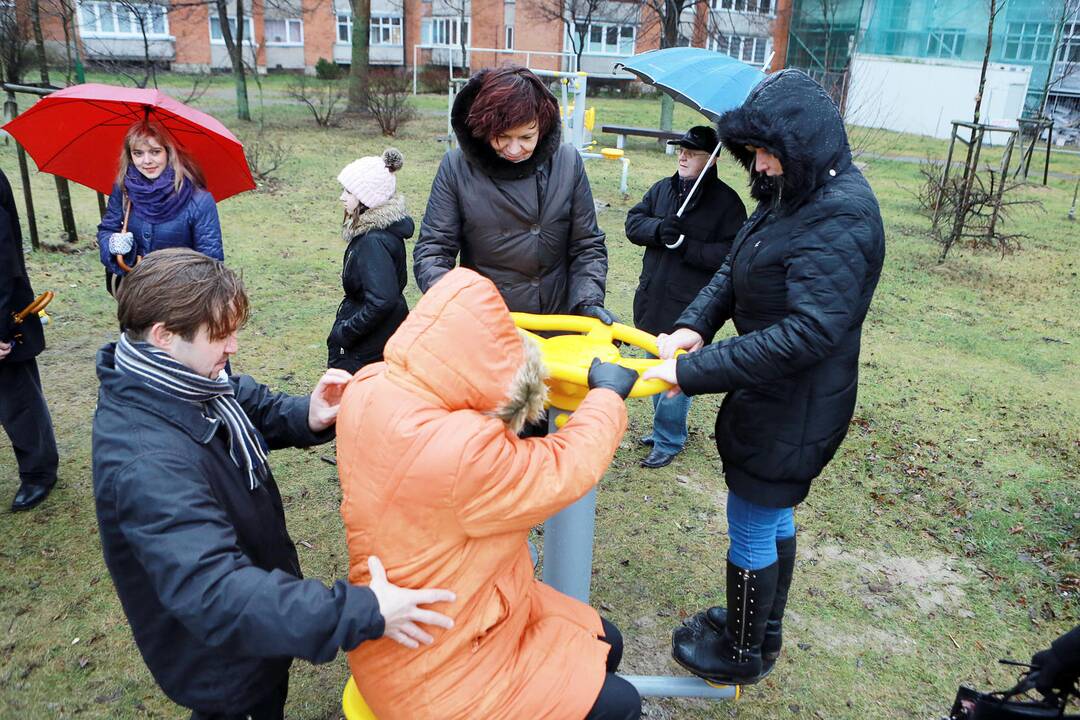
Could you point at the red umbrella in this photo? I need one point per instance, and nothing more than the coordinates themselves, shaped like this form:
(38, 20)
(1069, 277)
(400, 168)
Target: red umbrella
(77, 133)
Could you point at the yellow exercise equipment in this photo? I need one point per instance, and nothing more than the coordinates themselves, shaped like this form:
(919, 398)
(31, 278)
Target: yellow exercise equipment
(353, 705)
(568, 357)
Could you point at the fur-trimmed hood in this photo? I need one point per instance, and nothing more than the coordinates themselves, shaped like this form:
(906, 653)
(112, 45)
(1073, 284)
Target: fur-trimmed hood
(480, 154)
(459, 347)
(392, 212)
(792, 117)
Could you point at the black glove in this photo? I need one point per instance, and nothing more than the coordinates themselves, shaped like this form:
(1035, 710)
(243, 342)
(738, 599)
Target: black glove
(671, 228)
(1050, 674)
(612, 377)
(599, 312)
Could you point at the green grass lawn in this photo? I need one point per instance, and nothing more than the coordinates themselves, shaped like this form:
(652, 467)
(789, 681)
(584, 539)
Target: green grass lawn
(942, 537)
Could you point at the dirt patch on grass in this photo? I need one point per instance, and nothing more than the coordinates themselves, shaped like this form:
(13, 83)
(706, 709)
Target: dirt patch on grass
(928, 585)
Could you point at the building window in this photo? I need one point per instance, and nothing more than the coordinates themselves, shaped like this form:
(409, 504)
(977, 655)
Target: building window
(215, 30)
(445, 32)
(945, 43)
(104, 18)
(752, 50)
(509, 37)
(1029, 41)
(385, 30)
(606, 38)
(344, 28)
(1070, 43)
(761, 7)
(284, 32)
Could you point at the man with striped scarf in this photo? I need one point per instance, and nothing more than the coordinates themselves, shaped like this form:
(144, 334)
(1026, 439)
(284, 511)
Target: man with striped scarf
(191, 520)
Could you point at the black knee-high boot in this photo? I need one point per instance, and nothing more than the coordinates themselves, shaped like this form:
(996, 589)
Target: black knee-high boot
(731, 657)
(774, 635)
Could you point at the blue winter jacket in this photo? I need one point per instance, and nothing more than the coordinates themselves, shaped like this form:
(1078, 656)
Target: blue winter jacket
(196, 226)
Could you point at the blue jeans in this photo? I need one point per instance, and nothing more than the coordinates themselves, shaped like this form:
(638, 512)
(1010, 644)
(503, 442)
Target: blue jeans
(669, 421)
(754, 529)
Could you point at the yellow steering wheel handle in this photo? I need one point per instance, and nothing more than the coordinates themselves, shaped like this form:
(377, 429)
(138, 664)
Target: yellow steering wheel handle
(568, 356)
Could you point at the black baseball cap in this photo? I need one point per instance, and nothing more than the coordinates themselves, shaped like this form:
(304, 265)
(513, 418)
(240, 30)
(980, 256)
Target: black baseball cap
(699, 137)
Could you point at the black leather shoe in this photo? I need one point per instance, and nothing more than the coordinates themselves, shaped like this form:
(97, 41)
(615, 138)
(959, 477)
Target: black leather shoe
(29, 496)
(658, 459)
(646, 440)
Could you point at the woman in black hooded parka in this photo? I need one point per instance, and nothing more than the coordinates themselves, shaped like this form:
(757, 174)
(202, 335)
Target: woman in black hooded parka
(797, 285)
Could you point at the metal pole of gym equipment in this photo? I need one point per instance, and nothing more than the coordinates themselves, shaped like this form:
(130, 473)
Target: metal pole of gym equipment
(567, 567)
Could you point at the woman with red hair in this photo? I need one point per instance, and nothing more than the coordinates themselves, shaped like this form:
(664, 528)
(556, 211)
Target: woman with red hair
(514, 202)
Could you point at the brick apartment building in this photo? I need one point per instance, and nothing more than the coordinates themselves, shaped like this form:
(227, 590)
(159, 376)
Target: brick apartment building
(292, 35)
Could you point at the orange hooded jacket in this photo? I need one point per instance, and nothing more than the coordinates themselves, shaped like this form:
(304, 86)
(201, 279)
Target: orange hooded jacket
(438, 485)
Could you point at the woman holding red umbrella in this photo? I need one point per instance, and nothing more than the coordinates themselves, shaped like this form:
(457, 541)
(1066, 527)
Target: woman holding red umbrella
(159, 201)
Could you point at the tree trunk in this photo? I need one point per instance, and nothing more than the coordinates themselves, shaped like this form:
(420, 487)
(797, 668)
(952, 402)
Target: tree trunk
(63, 193)
(669, 37)
(39, 40)
(235, 46)
(358, 67)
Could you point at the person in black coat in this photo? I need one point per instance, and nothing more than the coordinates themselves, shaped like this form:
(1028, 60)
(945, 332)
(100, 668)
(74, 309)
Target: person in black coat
(514, 202)
(23, 411)
(797, 285)
(673, 271)
(374, 271)
(191, 521)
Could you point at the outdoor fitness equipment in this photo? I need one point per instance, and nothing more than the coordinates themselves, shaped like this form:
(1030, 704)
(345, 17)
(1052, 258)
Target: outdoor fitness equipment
(568, 536)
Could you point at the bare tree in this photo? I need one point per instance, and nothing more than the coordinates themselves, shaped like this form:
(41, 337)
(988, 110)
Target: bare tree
(388, 100)
(666, 17)
(322, 98)
(63, 192)
(576, 17)
(360, 59)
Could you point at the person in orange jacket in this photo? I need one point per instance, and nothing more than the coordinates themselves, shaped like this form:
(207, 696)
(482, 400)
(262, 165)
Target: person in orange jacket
(437, 483)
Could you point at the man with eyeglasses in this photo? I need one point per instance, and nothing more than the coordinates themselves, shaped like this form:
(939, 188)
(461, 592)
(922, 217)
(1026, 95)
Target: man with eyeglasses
(682, 252)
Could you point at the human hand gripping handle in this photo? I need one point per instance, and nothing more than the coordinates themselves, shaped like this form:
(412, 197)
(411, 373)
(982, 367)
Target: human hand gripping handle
(400, 608)
(682, 339)
(599, 312)
(612, 377)
(326, 399)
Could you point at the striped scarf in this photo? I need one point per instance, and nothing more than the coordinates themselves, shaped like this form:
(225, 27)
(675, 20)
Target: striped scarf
(157, 369)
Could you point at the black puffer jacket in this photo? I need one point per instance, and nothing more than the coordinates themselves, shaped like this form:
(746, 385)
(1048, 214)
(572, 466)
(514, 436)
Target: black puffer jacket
(529, 227)
(373, 274)
(797, 284)
(670, 279)
(15, 290)
(205, 568)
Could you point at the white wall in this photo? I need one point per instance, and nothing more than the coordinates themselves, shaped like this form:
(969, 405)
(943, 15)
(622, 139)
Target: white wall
(924, 96)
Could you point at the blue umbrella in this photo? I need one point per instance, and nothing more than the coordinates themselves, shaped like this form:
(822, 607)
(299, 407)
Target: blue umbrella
(707, 81)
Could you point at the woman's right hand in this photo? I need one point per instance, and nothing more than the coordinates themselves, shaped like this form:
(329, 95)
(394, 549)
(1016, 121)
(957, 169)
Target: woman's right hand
(400, 611)
(682, 339)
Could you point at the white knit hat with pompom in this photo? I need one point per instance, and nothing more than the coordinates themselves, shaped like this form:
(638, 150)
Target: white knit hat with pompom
(371, 179)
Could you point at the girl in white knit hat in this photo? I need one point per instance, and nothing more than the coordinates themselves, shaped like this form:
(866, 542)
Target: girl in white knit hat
(373, 274)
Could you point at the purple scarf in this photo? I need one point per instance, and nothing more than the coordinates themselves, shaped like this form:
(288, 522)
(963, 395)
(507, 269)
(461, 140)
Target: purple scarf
(154, 200)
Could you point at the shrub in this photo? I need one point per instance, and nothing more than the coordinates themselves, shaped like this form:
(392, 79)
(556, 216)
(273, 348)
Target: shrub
(326, 70)
(388, 100)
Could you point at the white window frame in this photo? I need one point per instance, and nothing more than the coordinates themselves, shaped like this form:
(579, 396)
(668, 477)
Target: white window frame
(508, 37)
(1019, 34)
(345, 19)
(451, 35)
(95, 6)
(745, 7)
(949, 41)
(603, 27)
(294, 32)
(739, 43)
(249, 30)
(380, 22)
(1069, 51)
